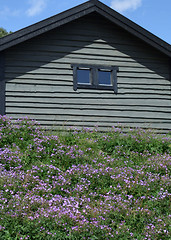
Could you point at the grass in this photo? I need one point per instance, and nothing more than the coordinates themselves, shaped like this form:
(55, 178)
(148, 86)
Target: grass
(83, 185)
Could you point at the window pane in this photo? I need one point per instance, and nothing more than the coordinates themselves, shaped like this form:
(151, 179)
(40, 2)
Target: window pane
(104, 78)
(83, 76)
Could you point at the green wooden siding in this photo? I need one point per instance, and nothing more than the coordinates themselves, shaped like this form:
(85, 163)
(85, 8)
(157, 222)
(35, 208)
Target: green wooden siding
(39, 78)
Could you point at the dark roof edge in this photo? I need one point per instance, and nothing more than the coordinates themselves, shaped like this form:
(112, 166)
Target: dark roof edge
(45, 25)
(133, 28)
(79, 11)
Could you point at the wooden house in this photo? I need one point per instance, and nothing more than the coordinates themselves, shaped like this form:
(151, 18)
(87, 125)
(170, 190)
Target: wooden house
(86, 66)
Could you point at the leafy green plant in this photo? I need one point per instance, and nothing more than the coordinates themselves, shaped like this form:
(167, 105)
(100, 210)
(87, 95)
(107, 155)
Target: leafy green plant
(83, 184)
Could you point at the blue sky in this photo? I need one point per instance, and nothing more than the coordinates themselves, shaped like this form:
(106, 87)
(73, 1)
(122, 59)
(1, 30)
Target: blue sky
(153, 15)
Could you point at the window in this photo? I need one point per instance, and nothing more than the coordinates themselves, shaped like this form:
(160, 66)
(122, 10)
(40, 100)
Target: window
(83, 76)
(95, 77)
(104, 77)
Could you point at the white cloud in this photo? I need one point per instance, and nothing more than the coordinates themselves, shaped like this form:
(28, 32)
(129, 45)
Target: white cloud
(123, 5)
(36, 7)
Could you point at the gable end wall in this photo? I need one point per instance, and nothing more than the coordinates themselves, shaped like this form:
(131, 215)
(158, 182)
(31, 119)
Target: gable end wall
(39, 78)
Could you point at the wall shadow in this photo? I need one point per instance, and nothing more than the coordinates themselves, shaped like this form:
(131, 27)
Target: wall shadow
(52, 46)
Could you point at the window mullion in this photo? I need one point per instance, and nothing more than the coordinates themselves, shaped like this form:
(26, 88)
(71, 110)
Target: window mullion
(95, 76)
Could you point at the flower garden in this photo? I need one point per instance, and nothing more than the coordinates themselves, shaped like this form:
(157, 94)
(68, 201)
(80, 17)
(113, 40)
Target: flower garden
(83, 184)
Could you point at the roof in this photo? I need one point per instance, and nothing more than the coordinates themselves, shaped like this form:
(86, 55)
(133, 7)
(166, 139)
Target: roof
(80, 11)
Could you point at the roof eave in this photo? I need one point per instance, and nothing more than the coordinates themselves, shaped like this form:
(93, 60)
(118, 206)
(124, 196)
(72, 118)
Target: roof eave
(80, 11)
(46, 25)
(133, 28)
